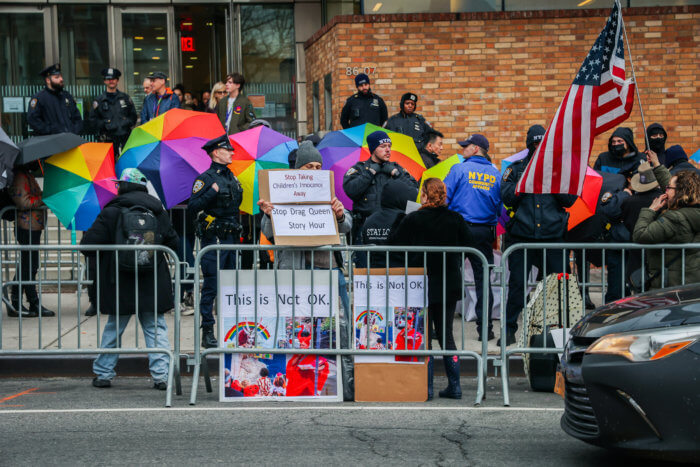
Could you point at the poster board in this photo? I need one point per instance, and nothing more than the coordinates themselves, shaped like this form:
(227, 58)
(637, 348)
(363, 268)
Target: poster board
(397, 315)
(302, 215)
(259, 309)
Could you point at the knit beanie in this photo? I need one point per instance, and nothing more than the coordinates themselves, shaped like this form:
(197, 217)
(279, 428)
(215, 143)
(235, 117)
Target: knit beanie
(534, 135)
(361, 79)
(375, 139)
(307, 153)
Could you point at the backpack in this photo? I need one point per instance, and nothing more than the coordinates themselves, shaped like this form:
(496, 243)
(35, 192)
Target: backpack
(137, 225)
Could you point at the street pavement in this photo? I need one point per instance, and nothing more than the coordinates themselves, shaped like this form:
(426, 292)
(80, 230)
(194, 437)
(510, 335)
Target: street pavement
(65, 421)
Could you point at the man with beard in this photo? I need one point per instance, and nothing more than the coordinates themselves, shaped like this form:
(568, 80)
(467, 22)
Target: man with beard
(364, 106)
(53, 110)
(622, 153)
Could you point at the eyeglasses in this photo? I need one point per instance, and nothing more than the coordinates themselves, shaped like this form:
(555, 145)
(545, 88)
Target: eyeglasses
(670, 187)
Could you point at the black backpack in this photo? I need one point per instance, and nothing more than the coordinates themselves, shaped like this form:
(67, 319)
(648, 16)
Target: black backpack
(137, 225)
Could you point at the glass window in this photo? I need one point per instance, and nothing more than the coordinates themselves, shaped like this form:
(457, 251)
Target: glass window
(317, 107)
(328, 101)
(381, 7)
(340, 7)
(267, 45)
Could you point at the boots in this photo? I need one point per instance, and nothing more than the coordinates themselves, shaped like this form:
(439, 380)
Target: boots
(430, 378)
(208, 338)
(35, 308)
(453, 390)
(14, 307)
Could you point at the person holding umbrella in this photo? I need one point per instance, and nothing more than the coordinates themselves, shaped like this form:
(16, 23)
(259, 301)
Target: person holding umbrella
(53, 110)
(216, 198)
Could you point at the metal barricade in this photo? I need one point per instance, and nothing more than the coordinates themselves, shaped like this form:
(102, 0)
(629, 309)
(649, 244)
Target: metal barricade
(59, 344)
(623, 251)
(199, 358)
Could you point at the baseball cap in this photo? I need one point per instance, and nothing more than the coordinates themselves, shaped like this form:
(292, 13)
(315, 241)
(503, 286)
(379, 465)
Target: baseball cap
(477, 139)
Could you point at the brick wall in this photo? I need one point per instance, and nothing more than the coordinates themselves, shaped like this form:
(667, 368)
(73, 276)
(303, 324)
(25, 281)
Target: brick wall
(497, 73)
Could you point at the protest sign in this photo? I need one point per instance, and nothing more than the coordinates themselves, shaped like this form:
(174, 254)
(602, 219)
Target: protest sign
(302, 198)
(260, 310)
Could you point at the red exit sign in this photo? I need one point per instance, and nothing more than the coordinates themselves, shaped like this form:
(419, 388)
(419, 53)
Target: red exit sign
(187, 44)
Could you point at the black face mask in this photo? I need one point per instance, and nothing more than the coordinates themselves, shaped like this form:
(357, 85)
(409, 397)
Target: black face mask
(618, 150)
(657, 144)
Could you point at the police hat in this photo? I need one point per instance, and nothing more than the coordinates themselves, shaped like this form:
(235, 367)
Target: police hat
(110, 73)
(220, 142)
(157, 75)
(54, 69)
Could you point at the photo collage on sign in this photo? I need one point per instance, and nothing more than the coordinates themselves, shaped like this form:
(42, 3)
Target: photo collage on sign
(387, 328)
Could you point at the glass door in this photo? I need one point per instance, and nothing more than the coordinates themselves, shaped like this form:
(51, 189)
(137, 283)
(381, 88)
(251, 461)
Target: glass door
(22, 57)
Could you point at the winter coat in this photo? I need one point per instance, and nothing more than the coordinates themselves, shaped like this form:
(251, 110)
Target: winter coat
(103, 232)
(413, 125)
(360, 108)
(364, 182)
(26, 194)
(435, 227)
(242, 113)
(608, 162)
(155, 105)
(295, 258)
(429, 159)
(671, 226)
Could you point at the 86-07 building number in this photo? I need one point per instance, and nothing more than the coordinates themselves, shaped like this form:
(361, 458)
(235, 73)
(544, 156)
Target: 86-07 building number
(356, 70)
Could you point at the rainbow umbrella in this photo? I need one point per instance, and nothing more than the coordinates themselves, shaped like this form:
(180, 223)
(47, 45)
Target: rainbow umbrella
(344, 148)
(586, 204)
(257, 149)
(79, 182)
(439, 170)
(168, 150)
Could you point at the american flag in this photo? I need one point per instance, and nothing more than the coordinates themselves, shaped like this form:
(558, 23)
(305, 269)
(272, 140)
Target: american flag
(599, 99)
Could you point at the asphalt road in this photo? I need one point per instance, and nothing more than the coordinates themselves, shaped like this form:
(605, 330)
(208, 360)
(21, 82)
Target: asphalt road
(64, 421)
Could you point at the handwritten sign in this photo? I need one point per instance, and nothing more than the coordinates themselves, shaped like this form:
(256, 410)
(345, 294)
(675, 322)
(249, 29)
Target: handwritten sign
(300, 186)
(303, 220)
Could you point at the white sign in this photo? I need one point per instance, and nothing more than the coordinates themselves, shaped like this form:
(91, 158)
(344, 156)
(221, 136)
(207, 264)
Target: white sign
(12, 105)
(304, 220)
(300, 186)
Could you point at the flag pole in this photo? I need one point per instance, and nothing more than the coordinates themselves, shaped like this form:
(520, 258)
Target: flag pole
(634, 76)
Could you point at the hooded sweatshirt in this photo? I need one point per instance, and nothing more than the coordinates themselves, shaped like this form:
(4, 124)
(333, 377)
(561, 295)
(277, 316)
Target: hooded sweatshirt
(655, 128)
(609, 162)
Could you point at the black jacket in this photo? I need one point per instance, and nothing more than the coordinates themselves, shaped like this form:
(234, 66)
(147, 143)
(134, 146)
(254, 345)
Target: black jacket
(378, 226)
(608, 162)
(364, 182)
(606, 223)
(103, 232)
(113, 116)
(413, 125)
(533, 216)
(681, 166)
(429, 159)
(436, 227)
(359, 109)
(52, 112)
(223, 204)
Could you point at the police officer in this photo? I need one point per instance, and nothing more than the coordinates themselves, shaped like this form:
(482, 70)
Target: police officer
(216, 197)
(408, 122)
(364, 181)
(159, 100)
(53, 110)
(113, 113)
(533, 218)
(474, 191)
(364, 106)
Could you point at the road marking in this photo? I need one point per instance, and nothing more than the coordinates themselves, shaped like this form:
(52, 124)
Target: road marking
(17, 395)
(280, 409)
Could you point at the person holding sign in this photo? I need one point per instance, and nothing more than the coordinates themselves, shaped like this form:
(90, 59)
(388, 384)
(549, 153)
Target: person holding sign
(364, 183)
(435, 225)
(216, 197)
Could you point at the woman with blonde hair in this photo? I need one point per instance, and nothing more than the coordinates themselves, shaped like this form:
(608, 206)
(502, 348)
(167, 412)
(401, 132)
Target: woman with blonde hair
(218, 92)
(673, 217)
(434, 225)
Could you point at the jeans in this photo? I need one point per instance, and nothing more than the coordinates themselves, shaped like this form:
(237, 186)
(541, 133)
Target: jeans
(210, 270)
(155, 333)
(29, 264)
(482, 236)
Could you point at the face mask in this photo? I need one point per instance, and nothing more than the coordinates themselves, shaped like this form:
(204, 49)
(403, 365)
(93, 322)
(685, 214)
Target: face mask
(618, 149)
(657, 145)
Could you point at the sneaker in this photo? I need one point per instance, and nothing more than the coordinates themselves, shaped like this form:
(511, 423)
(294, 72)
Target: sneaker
(185, 310)
(101, 383)
(160, 385)
(510, 339)
(188, 299)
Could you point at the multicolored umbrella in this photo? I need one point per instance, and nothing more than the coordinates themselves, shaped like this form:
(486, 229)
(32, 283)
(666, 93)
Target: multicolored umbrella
(344, 148)
(78, 183)
(439, 170)
(168, 150)
(257, 149)
(586, 204)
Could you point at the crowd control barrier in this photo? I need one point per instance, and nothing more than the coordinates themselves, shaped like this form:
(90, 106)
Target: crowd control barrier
(623, 253)
(44, 336)
(410, 257)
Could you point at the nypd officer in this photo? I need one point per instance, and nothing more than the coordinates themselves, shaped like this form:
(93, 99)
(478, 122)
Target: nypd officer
(474, 191)
(408, 122)
(533, 218)
(216, 196)
(113, 113)
(364, 106)
(53, 110)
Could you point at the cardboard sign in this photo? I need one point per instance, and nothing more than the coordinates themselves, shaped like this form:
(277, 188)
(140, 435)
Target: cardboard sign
(303, 220)
(299, 186)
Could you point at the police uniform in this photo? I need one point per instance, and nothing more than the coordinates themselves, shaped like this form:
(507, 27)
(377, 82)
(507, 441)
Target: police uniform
(413, 125)
(474, 191)
(360, 109)
(113, 114)
(217, 223)
(51, 112)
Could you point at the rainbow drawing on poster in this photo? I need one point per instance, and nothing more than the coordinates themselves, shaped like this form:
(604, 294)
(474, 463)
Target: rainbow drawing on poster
(233, 332)
(362, 316)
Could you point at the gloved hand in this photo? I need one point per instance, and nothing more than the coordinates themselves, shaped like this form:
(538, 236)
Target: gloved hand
(390, 169)
(375, 168)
